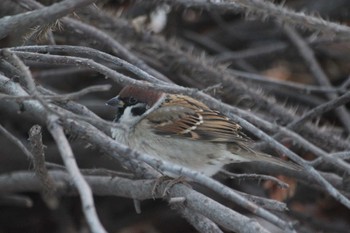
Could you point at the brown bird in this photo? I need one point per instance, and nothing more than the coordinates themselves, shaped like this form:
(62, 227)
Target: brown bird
(182, 130)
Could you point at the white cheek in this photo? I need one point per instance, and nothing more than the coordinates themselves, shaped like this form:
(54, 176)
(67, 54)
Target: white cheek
(128, 119)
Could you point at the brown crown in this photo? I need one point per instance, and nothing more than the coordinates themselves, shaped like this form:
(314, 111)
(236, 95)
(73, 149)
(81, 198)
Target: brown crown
(147, 96)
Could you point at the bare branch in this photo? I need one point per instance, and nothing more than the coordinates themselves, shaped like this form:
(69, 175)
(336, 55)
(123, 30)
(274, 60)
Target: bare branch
(16, 141)
(266, 9)
(42, 16)
(114, 149)
(141, 190)
(69, 161)
(35, 138)
(63, 97)
(201, 223)
(16, 200)
(64, 147)
(224, 107)
(255, 177)
(320, 76)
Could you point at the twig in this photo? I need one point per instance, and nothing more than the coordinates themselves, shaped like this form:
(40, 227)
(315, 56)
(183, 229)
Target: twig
(35, 138)
(72, 167)
(64, 148)
(255, 177)
(16, 200)
(39, 17)
(200, 178)
(340, 155)
(265, 203)
(62, 97)
(345, 84)
(82, 92)
(266, 9)
(114, 149)
(16, 141)
(201, 72)
(310, 170)
(298, 123)
(171, 88)
(120, 78)
(319, 110)
(140, 190)
(307, 54)
(104, 38)
(301, 88)
(94, 54)
(200, 223)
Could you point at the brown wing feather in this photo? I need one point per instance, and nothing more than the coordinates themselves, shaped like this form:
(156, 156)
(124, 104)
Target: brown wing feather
(192, 119)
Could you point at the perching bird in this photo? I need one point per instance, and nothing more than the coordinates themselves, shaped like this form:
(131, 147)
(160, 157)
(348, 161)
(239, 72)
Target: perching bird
(182, 130)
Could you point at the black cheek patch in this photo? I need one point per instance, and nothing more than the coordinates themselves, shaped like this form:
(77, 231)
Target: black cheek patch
(138, 111)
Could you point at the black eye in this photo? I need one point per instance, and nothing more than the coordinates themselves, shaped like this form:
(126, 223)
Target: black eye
(132, 101)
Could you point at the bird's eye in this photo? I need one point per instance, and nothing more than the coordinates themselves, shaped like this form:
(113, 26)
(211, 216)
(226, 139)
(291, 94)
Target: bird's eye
(132, 100)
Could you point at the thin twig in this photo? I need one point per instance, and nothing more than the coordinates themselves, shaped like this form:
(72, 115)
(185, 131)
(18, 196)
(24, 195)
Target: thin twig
(39, 17)
(63, 145)
(115, 149)
(16, 141)
(255, 177)
(99, 35)
(35, 138)
(72, 167)
(319, 110)
(266, 9)
(16, 200)
(168, 88)
(172, 88)
(201, 224)
(308, 55)
(62, 97)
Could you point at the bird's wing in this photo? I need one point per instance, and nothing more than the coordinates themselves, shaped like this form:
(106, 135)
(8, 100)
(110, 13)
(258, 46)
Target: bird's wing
(184, 117)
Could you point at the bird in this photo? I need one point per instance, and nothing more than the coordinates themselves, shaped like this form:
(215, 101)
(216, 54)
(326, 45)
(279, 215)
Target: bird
(182, 130)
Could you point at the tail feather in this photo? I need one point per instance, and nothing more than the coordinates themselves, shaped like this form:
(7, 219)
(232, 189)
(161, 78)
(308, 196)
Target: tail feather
(247, 154)
(259, 156)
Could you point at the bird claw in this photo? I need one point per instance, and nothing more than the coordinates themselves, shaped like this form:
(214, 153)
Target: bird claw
(169, 185)
(159, 181)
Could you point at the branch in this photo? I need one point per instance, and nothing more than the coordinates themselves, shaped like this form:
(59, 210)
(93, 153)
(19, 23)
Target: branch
(42, 16)
(139, 190)
(120, 78)
(35, 138)
(63, 146)
(265, 9)
(112, 148)
(308, 55)
(16, 141)
(72, 167)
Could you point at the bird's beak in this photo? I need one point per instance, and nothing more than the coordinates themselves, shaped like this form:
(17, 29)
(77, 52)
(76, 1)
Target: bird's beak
(115, 102)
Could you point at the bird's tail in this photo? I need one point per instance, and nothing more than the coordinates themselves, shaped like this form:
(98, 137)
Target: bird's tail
(246, 154)
(259, 156)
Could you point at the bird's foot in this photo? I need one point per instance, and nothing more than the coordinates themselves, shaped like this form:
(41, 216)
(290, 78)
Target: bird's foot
(159, 181)
(170, 183)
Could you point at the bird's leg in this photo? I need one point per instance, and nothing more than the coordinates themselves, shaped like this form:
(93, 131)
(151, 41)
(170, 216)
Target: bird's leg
(159, 181)
(169, 185)
(180, 179)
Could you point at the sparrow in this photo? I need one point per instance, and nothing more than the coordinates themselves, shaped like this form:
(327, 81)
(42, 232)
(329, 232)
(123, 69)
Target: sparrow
(179, 129)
